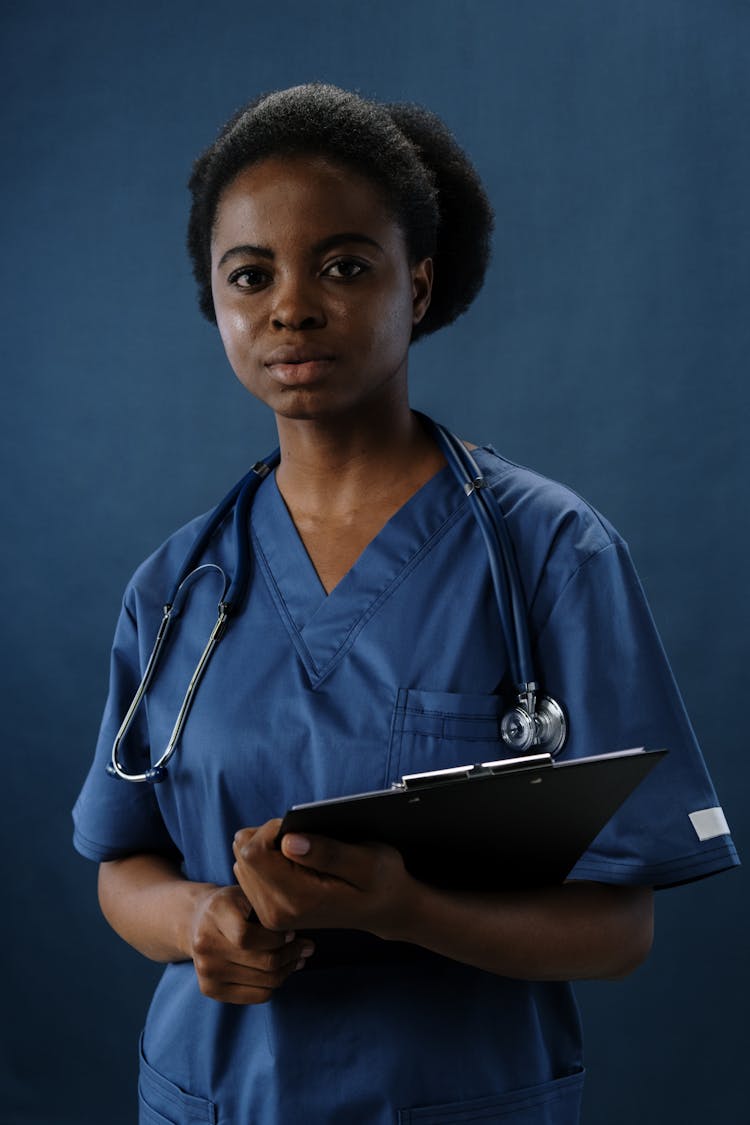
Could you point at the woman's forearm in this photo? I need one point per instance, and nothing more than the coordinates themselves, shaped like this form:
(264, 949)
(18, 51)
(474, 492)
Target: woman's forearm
(148, 902)
(167, 918)
(569, 932)
(572, 932)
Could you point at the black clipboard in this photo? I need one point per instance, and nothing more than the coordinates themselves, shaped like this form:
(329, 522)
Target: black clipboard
(521, 822)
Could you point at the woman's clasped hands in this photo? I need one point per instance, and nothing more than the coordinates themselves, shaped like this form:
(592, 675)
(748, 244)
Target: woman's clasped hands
(237, 960)
(244, 938)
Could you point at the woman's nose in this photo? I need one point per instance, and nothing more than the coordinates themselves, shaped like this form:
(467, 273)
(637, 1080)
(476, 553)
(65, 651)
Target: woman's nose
(296, 304)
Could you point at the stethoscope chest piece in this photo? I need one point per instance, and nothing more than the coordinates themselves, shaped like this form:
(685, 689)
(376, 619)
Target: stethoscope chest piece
(544, 729)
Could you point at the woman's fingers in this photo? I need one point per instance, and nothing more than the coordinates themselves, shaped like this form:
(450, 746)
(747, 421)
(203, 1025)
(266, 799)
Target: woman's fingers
(312, 882)
(255, 850)
(238, 961)
(220, 979)
(353, 864)
(366, 867)
(265, 971)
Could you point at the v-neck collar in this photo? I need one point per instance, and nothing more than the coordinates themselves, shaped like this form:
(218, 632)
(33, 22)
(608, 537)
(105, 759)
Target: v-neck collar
(323, 626)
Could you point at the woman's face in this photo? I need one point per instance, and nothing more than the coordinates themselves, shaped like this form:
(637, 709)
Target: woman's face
(315, 298)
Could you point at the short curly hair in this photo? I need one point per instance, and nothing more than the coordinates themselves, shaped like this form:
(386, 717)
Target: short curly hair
(427, 182)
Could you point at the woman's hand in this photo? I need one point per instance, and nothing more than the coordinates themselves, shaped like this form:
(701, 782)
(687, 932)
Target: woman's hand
(236, 960)
(313, 882)
(570, 932)
(150, 904)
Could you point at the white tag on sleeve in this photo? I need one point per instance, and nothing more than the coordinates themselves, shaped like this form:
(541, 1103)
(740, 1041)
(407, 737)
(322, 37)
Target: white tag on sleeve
(709, 823)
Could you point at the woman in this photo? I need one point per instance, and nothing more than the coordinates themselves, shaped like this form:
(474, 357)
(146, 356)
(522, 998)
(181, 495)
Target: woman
(321, 982)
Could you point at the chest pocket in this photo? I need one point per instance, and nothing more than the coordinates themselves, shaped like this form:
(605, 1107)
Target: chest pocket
(434, 730)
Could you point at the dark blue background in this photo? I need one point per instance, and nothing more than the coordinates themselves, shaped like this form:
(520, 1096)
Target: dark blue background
(608, 349)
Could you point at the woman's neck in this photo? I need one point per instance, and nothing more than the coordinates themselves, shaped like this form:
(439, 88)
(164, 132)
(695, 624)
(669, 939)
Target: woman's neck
(342, 483)
(333, 469)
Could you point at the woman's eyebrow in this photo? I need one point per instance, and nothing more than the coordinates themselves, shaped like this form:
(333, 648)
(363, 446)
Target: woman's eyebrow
(345, 236)
(327, 243)
(244, 251)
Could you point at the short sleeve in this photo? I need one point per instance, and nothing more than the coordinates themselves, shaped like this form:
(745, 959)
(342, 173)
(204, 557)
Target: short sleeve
(601, 655)
(113, 818)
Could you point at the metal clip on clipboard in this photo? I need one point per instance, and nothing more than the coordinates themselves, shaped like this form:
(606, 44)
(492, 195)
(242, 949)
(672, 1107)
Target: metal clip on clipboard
(479, 769)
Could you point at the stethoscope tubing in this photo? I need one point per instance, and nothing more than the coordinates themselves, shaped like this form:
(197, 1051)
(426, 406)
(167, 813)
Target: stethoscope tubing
(505, 579)
(240, 497)
(503, 570)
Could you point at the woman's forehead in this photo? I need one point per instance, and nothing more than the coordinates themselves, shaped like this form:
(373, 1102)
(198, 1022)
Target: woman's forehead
(299, 192)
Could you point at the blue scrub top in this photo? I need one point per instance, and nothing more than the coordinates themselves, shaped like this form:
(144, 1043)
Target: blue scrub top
(311, 696)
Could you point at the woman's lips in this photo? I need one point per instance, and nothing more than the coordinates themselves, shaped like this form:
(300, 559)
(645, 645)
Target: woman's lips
(301, 373)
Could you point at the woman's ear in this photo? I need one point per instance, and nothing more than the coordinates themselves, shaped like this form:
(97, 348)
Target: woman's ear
(421, 276)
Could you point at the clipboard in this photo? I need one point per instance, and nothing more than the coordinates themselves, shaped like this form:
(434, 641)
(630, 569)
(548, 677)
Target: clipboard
(512, 824)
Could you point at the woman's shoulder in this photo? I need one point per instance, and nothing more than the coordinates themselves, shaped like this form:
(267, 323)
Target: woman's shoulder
(153, 578)
(538, 505)
(557, 536)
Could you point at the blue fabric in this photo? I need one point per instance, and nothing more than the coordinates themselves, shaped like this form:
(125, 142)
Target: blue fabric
(311, 696)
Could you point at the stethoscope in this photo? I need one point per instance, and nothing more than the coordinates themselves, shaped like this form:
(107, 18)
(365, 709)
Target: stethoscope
(535, 722)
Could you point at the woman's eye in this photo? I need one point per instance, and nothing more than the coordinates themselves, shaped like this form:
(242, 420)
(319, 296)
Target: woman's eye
(247, 278)
(345, 268)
